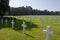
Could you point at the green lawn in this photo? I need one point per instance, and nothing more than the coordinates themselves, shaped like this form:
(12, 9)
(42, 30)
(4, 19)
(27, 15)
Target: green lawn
(33, 32)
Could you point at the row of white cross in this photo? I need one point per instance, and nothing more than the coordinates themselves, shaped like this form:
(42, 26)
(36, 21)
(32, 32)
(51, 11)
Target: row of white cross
(42, 21)
(48, 32)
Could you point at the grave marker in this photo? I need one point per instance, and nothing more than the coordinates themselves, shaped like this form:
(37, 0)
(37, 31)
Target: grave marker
(42, 21)
(6, 22)
(30, 21)
(24, 26)
(34, 18)
(48, 32)
(12, 24)
(27, 17)
(51, 20)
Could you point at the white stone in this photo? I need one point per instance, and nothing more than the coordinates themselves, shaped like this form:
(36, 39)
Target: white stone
(48, 32)
(42, 22)
(30, 21)
(51, 20)
(22, 18)
(24, 26)
(27, 17)
(6, 22)
(12, 24)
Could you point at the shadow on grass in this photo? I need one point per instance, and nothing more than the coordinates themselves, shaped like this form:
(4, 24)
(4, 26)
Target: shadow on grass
(17, 24)
(29, 35)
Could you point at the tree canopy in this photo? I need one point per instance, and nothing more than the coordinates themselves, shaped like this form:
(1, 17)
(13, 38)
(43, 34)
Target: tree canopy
(4, 7)
(28, 10)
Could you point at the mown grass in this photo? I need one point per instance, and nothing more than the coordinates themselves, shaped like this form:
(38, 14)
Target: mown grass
(34, 31)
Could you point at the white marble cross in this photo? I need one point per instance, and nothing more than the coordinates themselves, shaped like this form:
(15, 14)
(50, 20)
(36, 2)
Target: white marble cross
(2, 20)
(27, 17)
(42, 21)
(51, 20)
(48, 32)
(34, 18)
(24, 26)
(31, 21)
(12, 24)
(6, 21)
(17, 18)
(22, 18)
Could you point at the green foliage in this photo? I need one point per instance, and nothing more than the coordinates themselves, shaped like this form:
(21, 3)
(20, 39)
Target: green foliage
(4, 7)
(30, 11)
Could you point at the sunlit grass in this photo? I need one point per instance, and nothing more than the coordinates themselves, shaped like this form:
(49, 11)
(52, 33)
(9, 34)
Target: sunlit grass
(33, 32)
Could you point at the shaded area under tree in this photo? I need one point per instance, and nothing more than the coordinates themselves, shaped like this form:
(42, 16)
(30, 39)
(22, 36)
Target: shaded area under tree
(17, 25)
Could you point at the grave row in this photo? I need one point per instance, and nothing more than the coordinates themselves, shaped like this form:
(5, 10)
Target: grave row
(48, 32)
(41, 20)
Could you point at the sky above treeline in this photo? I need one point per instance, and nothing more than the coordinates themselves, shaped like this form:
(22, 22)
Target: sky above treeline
(51, 5)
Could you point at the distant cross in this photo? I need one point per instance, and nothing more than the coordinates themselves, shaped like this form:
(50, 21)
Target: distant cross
(2, 20)
(6, 21)
(22, 18)
(27, 17)
(48, 32)
(24, 26)
(12, 24)
(34, 18)
(42, 21)
(31, 21)
(51, 20)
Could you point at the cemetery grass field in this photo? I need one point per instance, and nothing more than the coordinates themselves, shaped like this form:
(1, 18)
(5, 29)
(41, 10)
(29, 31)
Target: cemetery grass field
(32, 32)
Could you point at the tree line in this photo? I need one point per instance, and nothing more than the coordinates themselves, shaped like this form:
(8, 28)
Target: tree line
(28, 10)
(4, 7)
